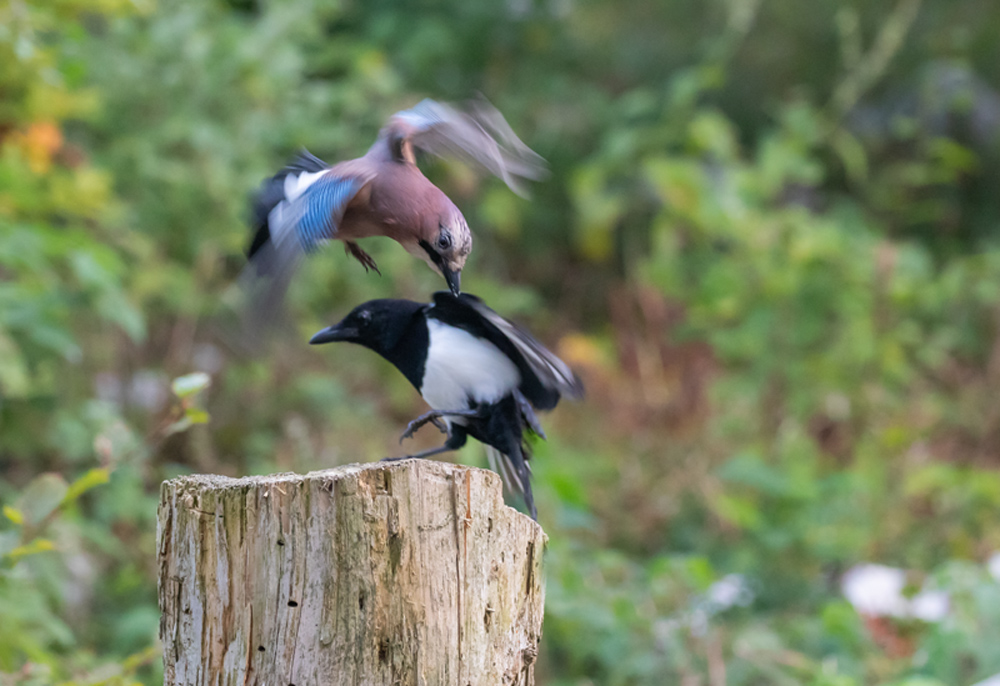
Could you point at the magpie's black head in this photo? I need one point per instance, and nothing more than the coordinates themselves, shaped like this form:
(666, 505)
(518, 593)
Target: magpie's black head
(376, 324)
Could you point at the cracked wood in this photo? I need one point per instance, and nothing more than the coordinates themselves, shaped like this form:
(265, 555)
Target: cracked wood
(410, 572)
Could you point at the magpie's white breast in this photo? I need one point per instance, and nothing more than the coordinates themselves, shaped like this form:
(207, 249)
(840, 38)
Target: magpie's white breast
(462, 368)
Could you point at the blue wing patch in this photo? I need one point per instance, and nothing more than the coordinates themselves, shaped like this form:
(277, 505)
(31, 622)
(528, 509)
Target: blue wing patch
(325, 201)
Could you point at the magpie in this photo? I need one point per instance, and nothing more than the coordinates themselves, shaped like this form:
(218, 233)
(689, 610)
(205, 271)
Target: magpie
(482, 375)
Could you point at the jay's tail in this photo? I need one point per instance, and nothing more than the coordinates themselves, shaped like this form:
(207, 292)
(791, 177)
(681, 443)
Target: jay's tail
(274, 254)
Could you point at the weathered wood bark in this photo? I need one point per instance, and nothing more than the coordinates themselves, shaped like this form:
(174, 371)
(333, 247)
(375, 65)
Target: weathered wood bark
(410, 572)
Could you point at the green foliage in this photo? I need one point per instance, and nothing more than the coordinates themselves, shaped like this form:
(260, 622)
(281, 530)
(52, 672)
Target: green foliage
(768, 243)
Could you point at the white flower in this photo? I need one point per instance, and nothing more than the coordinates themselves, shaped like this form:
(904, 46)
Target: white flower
(877, 590)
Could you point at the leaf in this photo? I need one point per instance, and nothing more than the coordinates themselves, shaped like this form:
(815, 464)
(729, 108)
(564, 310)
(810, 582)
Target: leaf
(94, 477)
(116, 308)
(39, 545)
(196, 416)
(13, 514)
(598, 211)
(177, 427)
(190, 384)
(739, 511)
(41, 497)
(15, 379)
(852, 155)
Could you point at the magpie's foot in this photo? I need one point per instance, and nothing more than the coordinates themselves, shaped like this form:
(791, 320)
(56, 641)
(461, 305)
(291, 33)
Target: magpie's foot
(415, 425)
(366, 260)
(395, 459)
(411, 429)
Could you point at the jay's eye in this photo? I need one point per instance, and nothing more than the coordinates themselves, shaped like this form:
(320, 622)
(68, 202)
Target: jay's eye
(444, 241)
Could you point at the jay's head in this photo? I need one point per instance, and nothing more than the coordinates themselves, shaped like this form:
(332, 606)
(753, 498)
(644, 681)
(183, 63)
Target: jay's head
(445, 245)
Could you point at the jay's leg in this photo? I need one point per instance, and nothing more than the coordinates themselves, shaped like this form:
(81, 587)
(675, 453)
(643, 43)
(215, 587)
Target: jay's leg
(355, 251)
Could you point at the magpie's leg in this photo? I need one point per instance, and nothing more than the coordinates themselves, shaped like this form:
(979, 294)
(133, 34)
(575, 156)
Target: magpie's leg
(454, 442)
(367, 261)
(426, 453)
(432, 417)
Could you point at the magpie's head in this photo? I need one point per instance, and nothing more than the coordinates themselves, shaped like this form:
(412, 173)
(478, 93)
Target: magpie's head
(445, 244)
(376, 324)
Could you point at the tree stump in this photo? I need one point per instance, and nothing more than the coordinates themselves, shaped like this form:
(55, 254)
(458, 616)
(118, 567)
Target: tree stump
(410, 572)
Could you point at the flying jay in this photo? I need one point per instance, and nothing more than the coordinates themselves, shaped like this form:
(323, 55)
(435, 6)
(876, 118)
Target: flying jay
(481, 374)
(382, 193)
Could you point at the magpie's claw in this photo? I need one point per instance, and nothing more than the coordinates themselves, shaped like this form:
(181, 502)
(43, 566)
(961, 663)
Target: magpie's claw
(416, 424)
(411, 429)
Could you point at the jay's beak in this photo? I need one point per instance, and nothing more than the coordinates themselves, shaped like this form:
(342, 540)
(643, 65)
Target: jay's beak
(454, 280)
(334, 333)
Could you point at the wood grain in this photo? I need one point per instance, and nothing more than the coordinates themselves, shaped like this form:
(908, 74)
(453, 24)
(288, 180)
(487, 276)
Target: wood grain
(411, 572)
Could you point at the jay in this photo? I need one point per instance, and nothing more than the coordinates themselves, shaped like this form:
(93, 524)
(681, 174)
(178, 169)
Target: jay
(382, 193)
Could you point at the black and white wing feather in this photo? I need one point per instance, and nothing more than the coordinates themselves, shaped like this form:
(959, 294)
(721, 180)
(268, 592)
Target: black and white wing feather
(480, 136)
(544, 377)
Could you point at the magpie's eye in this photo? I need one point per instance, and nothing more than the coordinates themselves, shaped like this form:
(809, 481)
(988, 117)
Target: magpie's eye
(364, 316)
(444, 241)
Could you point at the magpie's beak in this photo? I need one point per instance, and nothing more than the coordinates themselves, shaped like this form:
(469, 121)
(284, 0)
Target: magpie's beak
(334, 333)
(454, 280)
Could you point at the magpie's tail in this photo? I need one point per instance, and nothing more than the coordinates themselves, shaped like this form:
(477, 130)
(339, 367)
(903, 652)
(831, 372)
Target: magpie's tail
(515, 472)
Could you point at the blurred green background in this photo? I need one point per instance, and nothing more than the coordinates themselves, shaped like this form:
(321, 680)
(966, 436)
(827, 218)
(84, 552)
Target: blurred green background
(770, 244)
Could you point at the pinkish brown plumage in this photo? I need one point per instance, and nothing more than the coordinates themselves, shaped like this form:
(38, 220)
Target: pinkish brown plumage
(382, 193)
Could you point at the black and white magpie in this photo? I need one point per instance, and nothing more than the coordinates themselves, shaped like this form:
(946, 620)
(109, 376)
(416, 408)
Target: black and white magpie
(482, 375)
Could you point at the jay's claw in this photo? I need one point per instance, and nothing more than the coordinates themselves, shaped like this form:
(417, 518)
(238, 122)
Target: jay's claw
(366, 260)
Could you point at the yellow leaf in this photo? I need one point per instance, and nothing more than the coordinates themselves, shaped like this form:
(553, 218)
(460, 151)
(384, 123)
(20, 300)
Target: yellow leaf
(196, 416)
(39, 545)
(94, 477)
(13, 514)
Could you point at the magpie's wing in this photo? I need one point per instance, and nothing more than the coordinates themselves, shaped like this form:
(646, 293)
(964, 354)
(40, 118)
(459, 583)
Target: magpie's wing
(544, 377)
(294, 213)
(479, 136)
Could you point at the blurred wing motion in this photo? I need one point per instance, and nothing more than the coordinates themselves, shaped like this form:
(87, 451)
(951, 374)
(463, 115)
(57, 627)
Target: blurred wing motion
(480, 137)
(544, 377)
(295, 212)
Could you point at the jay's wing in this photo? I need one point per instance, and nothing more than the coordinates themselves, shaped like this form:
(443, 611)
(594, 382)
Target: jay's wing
(544, 377)
(303, 204)
(295, 212)
(480, 136)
